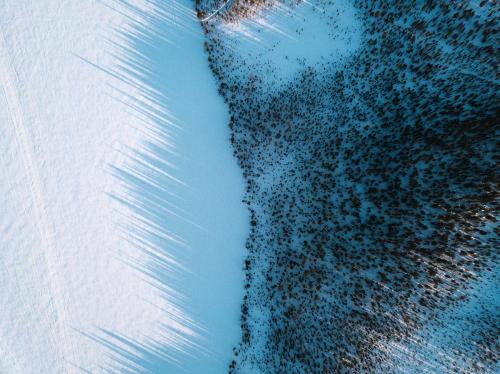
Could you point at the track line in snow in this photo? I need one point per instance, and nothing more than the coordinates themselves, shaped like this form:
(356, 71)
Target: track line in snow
(227, 3)
(14, 113)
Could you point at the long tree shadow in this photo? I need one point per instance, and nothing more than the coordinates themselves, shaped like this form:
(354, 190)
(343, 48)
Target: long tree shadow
(153, 187)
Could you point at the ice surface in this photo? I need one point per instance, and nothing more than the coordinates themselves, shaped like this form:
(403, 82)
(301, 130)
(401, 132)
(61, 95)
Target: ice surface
(122, 231)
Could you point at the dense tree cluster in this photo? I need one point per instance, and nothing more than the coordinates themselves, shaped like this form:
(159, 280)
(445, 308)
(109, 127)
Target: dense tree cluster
(373, 191)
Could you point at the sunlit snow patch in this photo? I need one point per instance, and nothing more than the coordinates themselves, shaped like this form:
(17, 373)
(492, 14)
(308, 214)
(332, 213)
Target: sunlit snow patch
(281, 41)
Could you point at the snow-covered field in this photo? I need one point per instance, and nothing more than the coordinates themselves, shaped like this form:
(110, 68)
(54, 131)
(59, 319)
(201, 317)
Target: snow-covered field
(121, 228)
(122, 225)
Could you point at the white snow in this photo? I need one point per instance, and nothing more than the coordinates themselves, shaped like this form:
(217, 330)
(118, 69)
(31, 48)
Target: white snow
(283, 40)
(94, 202)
